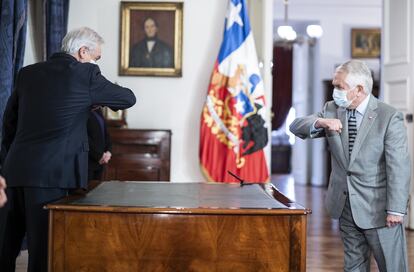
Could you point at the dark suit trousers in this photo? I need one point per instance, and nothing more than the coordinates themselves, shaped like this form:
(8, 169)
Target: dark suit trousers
(95, 174)
(24, 213)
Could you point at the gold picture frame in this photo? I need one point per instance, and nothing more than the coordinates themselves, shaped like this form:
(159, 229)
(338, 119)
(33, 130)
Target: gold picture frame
(365, 42)
(151, 39)
(114, 118)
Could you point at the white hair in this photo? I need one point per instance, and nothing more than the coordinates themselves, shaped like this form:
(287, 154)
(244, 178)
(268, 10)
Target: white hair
(80, 37)
(358, 73)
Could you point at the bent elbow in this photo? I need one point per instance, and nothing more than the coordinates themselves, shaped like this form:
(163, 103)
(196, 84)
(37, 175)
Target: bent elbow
(129, 98)
(133, 99)
(293, 127)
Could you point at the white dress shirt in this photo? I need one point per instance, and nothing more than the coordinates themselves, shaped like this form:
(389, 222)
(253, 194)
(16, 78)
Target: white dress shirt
(360, 111)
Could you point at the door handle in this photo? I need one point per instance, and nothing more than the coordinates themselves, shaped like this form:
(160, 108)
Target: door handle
(409, 117)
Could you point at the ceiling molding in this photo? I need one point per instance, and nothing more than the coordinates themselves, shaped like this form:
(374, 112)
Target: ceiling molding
(331, 3)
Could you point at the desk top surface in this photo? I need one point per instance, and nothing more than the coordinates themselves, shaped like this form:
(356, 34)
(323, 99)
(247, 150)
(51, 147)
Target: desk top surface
(178, 197)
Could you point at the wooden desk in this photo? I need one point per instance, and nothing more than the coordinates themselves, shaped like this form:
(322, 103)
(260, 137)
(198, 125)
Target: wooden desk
(161, 226)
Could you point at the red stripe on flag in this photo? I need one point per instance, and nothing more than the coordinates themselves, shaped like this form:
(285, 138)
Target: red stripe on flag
(216, 159)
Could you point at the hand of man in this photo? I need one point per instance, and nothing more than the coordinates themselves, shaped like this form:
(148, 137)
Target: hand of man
(330, 124)
(107, 156)
(102, 160)
(393, 220)
(3, 197)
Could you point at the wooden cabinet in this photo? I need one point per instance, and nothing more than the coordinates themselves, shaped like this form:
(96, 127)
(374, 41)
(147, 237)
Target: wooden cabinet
(137, 154)
(281, 155)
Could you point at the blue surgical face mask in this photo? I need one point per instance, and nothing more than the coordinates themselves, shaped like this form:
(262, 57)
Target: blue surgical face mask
(340, 98)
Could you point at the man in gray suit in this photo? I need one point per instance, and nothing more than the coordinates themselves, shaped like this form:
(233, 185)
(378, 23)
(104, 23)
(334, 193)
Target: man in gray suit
(370, 180)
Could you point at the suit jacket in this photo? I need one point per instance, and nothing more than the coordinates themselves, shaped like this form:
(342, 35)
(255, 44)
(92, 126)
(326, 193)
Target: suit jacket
(99, 140)
(44, 128)
(160, 57)
(377, 174)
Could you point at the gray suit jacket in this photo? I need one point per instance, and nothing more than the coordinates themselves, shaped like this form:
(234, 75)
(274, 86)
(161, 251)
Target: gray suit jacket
(377, 174)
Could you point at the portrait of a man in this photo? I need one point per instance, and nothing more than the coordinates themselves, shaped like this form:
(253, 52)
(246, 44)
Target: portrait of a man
(151, 38)
(151, 51)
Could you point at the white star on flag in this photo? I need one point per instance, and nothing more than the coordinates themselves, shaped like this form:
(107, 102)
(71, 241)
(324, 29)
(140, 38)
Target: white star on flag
(239, 105)
(233, 16)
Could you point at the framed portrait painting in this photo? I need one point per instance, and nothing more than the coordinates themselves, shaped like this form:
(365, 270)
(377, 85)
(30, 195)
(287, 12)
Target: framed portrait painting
(151, 38)
(365, 42)
(114, 118)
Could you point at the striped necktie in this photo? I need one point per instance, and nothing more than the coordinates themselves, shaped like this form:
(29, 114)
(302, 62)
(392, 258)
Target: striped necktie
(352, 130)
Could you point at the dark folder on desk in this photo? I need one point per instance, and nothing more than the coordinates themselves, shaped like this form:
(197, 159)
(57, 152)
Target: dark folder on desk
(180, 195)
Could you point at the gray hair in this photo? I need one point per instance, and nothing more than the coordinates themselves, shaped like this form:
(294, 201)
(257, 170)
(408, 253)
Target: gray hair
(80, 37)
(358, 73)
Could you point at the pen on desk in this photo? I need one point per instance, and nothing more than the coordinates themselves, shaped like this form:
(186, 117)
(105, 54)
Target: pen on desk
(242, 182)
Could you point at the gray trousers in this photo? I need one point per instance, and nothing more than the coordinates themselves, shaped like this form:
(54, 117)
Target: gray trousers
(388, 245)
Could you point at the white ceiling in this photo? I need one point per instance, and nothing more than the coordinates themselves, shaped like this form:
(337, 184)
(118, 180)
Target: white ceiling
(333, 3)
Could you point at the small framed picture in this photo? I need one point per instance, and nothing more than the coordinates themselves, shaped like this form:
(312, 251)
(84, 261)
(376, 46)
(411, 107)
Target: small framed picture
(151, 39)
(114, 118)
(365, 42)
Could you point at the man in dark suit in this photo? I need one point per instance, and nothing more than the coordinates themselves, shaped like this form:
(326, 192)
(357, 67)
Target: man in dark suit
(151, 52)
(45, 141)
(99, 144)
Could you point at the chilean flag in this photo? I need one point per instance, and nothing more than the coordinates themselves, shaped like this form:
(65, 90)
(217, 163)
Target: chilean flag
(233, 127)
